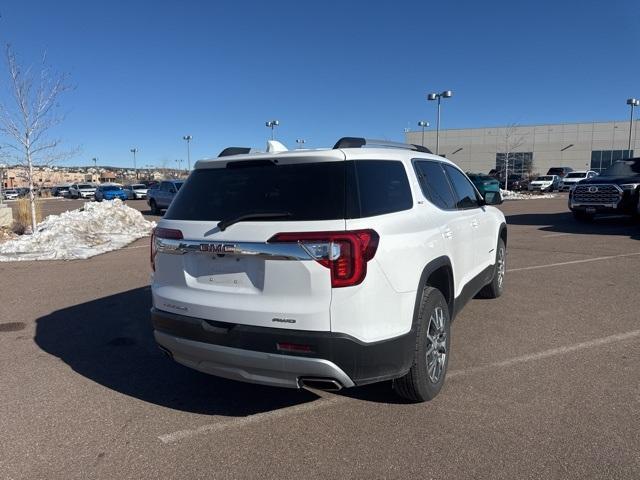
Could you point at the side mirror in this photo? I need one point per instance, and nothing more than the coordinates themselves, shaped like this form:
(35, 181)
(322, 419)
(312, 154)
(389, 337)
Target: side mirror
(492, 198)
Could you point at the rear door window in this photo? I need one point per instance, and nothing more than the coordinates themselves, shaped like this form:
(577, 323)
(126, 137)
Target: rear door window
(465, 193)
(435, 185)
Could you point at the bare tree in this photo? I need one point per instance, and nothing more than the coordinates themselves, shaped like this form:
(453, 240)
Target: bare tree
(29, 114)
(511, 141)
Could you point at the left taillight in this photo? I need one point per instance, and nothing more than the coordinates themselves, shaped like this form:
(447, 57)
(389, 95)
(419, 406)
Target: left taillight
(345, 253)
(159, 232)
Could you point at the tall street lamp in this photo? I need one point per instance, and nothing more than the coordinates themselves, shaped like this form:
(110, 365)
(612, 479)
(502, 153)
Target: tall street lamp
(301, 142)
(423, 124)
(134, 150)
(272, 124)
(632, 102)
(188, 139)
(439, 96)
(179, 162)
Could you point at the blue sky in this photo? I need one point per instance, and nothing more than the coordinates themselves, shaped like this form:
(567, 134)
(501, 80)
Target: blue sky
(146, 73)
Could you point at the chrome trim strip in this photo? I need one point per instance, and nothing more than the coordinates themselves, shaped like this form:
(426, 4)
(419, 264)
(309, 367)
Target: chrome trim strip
(586, 204)
(271, 251)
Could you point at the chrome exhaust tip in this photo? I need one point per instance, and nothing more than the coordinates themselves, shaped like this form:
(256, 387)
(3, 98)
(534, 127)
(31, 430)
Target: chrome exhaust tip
(325, 384)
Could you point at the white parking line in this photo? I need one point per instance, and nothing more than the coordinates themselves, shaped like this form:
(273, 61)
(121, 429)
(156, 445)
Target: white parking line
(619, 337)
(556, 235)
(258, 417)
(332, 400)
(586, 260)
(137, 246)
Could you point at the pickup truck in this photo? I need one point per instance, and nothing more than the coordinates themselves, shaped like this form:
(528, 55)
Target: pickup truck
(160, 196)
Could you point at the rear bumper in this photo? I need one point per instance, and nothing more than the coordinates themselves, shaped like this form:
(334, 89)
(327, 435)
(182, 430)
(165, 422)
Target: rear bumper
(250, 354)
(247, 365)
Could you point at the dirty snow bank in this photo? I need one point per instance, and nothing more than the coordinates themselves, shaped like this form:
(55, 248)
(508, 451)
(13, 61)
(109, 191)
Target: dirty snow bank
(94, 229)
(509, 195)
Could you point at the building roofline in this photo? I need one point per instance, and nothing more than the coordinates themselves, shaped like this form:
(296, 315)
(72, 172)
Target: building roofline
(519, 125)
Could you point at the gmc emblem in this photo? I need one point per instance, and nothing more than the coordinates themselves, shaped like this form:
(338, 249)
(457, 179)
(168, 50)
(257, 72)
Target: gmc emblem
(217, 247)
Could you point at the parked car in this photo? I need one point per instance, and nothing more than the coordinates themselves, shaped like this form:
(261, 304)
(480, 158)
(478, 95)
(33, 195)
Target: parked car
(615, 190)
(82, 190)
(150, 183)
(484, 183)
(22, 191)
(110, 192)
(544, 183)
(160, 197)
(10, 194)
(324, 268)
(517, 183)
(559, 171)
(60, 191)
(136, 191)
(572, 178)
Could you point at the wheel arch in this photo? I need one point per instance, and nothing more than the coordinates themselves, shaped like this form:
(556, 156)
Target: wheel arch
(438, 273)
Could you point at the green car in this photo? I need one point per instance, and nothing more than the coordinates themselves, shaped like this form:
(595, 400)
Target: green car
(484, 183)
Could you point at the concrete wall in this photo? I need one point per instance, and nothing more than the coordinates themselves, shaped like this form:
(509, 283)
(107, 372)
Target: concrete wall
(480, 145)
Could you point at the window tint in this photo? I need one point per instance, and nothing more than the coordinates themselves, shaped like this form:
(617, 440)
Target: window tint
(465, 193)
(383, 187)
(435, 185)
(307, 191)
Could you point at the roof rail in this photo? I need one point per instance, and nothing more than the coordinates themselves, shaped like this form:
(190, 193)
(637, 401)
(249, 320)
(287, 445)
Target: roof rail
(359, 142)
(234, 151)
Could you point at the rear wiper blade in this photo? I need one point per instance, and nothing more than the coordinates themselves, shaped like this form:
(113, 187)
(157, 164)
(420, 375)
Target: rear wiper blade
(224, 224)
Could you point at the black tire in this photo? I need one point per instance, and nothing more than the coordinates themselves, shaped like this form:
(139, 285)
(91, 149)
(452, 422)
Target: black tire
(154, 207)
(583, 216)
(496, 287)
(433, 317)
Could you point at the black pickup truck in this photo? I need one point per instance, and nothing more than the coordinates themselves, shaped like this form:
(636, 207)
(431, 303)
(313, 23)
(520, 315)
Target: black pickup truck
(615, 190)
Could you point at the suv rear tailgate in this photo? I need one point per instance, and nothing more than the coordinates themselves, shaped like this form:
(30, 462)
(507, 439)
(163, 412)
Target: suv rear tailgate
(252, 283)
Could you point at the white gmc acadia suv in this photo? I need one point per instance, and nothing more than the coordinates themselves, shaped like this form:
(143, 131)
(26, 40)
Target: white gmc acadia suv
(324, 268)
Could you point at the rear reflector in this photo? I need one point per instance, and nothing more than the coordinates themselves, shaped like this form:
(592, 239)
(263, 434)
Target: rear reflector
(294, 347)
(344, 253)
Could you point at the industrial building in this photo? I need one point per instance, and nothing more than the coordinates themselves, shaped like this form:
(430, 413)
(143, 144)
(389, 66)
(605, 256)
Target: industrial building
(533, 149)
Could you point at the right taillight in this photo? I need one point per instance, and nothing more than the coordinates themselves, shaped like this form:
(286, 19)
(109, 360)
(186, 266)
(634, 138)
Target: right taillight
(159, 232)
(345, 253)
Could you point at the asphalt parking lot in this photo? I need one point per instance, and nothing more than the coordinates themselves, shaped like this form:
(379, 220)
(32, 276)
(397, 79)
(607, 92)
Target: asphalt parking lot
(543, 382)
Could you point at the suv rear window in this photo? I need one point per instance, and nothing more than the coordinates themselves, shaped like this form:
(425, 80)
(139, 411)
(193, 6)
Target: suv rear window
(325, 190)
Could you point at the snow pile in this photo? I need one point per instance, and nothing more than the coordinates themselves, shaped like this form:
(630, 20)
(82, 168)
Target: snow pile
(94, 229)
(509, 195)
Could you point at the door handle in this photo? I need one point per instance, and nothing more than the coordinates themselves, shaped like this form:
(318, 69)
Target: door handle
(448, 233)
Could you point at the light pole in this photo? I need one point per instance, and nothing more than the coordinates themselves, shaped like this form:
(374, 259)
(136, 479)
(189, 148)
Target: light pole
(423, 124)
(188, 139)
(301, 142)
(632, 102)
(149, 167)
(134, 150)
(179, 162)
(272, 124)
(439, 96)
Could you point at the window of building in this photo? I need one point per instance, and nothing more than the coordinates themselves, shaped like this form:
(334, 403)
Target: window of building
(602, 159)
(519, 163)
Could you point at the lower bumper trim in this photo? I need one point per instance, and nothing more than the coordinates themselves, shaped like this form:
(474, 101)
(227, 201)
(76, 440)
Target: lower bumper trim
(249, 366)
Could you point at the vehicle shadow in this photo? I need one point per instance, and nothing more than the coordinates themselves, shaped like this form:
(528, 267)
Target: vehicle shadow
(563, 222)
(110, 341)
